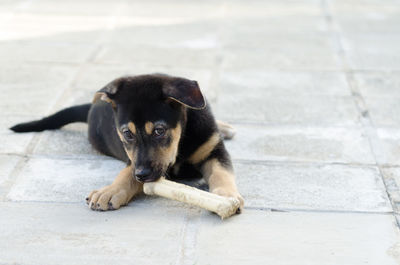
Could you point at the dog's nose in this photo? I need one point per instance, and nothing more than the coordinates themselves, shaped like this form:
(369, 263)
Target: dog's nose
(141, 173)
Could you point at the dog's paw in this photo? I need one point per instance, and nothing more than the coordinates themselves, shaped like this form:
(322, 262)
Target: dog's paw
(230, 193)
(110, 197)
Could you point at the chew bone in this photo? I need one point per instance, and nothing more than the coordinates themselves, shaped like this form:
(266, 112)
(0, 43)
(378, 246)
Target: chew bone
(223, 206)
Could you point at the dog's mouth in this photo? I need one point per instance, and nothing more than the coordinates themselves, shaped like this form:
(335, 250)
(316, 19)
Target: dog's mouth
(147, 179)
(153, 176)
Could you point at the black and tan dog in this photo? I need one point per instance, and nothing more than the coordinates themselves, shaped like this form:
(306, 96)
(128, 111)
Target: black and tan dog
(160, 126)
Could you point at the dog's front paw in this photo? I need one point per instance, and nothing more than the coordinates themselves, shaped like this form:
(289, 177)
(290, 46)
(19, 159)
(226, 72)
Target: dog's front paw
(109, 197)
(230, 193)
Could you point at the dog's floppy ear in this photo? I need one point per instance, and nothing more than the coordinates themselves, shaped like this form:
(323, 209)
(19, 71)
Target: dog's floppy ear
(186, 92)
(107, 93)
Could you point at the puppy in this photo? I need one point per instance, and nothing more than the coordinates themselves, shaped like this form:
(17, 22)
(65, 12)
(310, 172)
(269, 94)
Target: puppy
(159, 125)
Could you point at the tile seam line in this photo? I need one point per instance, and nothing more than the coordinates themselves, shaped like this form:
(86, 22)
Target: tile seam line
(366, 121)
(14, 175)
(214, 81)
(238, 161)
(300, 126)
(289, 70)
(181, 252)
(304, 163)
(290, 210)
(251, 208)
(30, 147)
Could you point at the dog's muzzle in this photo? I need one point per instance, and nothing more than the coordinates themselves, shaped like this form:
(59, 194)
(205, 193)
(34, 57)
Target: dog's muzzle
(143, 174)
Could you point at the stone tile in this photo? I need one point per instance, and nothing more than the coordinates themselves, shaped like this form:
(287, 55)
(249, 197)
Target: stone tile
(23, 27)
(367, 16)
(42, 233)
(16, 75)
(288, 42)
(154, 56)
(374, 51)
(273, 8)
(13, 143)
(378, 83)
(33, 51)
(392, 181)
(173, 11)
(276, 24)
(24, 101)
(253, 81)
(8, 4)
(387, 146)
(378, 22)
(95, 77)
(32, 89)
(364, 7)
(384, 110)
(87, 8)
(282, 52)
(70, 142)
(7, 165)
(190, 35)
(280, 59)
(345, 145)
(310, 110)
(312, 187)
(63, 180)
(257, 237)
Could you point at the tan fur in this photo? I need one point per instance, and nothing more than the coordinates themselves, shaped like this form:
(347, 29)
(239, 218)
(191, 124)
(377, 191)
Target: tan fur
(97, 97)
(121, 136)
(205, 149)
(119, 193)
(103, 96)
(187, 106)
(167, 155)
(221, 180)
(130, 153)
(148, 127)
(132, 127)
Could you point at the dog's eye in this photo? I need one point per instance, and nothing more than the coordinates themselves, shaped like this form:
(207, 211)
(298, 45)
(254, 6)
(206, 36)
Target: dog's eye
(128, 135)
(158, 132)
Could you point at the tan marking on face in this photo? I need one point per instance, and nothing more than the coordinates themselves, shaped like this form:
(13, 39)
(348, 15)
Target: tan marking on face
(103, 96)
(121, 136)
(167, 155)
(148, 127)
(132, 127)
(130, 153)
(205, 149)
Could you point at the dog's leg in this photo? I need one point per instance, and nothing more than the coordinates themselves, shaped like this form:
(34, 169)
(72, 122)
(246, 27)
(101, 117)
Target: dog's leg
(221, 180)
(226, 130)
(119, 193)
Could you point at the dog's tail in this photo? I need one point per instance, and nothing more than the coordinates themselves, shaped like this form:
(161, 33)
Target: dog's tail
(73, 114)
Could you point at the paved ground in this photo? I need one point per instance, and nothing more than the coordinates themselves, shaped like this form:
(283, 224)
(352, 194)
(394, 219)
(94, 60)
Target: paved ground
(313, 88)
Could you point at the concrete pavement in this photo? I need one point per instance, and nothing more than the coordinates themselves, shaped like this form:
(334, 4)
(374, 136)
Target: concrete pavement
(312, 87)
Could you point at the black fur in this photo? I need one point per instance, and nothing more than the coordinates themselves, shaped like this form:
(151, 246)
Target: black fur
(55, 121)
(141, 99)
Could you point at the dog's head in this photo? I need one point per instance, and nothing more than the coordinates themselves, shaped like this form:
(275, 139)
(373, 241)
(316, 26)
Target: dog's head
(150, 115)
